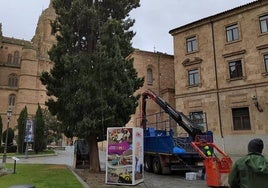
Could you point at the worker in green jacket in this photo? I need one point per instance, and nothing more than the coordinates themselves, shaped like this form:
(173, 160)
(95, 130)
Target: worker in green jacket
(207, 151)
(250, 171)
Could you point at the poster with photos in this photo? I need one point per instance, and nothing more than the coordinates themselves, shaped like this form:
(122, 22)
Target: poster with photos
(124, 156)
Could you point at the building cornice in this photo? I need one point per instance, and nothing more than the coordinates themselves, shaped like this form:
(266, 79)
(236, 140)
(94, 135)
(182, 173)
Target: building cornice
(219, 16)
(15, 41)
(261, 47)
(234, 53)
(137, 51)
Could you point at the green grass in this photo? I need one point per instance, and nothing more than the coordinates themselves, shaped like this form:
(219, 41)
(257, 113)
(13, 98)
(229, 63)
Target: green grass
(41, 176)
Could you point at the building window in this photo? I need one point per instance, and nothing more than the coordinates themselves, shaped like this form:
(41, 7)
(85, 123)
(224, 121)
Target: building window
(266, 62)
(12, 100)
(235, 69)
(241, 119)
(198, 118)
(13, 80)
(9, 59)
(16, 58)
(264, 23)
(191, 44)
(232, 33)
(149, 76)
(193, 76)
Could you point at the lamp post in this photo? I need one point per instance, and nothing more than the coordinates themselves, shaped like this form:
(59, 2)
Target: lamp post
(9, 112)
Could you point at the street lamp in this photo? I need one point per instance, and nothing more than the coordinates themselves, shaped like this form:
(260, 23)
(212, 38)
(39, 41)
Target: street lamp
(9, 113)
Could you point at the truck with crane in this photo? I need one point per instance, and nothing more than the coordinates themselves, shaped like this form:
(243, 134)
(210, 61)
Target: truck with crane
(165, 152)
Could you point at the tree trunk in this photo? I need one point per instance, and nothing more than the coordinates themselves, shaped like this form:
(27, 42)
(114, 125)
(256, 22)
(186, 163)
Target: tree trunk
(94, 160)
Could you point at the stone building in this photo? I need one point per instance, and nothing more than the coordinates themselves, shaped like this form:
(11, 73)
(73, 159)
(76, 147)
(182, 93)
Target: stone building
(221, 68)
(157, 69)
(21, 64)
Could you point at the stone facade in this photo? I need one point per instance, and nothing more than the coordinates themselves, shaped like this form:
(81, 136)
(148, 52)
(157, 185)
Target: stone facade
(214, 88)
(21, 64)
(157, 69)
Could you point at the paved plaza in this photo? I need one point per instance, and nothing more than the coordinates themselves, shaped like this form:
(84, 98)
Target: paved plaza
(66, 157)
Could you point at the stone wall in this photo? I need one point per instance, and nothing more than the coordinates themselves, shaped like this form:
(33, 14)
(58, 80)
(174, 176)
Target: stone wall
(33, 60)
(217, 94)
(162, 66)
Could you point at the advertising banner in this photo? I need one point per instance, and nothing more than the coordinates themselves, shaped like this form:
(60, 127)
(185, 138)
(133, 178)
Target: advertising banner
(124, 157)
(29, 131)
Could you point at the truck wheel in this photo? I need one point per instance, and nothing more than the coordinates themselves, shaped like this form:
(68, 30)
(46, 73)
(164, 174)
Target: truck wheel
(148, 167)
(157, 166)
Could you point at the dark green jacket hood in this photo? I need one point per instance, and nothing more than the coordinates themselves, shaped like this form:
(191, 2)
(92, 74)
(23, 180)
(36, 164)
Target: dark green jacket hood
(256, 163)
(250, 171)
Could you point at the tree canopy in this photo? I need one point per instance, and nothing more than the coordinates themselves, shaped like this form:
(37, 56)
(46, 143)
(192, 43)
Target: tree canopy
(21, 129)
(10, 137)
(40, 137)
(92, 83)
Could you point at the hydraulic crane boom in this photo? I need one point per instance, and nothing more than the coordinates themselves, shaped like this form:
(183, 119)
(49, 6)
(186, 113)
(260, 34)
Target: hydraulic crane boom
(179, 117)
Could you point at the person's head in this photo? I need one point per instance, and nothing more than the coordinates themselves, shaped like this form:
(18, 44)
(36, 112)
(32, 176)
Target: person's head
(255, 145)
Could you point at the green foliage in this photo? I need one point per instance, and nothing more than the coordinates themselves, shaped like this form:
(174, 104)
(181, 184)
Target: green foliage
(93, 82)
(1, 129)
(53, 127)
(92, 85)
(10, 149)
(40, 141)
(21, 129)
(10, 136)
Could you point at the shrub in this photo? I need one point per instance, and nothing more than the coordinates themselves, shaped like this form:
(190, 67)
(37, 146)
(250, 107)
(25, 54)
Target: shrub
(10, 137)
(10, 149)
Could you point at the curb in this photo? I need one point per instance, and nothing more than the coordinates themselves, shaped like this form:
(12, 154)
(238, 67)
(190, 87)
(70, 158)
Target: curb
(85, 185)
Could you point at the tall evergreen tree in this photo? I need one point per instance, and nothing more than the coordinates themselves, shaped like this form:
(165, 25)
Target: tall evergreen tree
(21, 129)
(92, 84)
(39, 136)
(1, 130)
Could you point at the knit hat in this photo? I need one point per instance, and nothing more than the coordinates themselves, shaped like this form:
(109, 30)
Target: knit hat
(255, 145)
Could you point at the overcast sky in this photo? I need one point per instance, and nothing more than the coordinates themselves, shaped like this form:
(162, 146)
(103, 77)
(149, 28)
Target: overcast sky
(154, 18)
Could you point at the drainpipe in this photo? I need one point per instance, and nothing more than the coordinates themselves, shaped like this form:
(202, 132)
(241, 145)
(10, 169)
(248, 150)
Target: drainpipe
(158, 67)
(217, 86)
(159, 77)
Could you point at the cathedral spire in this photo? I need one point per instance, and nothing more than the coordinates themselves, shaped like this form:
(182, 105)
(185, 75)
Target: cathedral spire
(43, 39)
(50, 4)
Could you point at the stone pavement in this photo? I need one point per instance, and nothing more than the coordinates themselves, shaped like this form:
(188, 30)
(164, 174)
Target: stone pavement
(61, 157)
(150, 180)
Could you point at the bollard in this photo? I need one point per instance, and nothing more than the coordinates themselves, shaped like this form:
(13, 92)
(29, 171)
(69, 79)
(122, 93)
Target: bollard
(15, 162)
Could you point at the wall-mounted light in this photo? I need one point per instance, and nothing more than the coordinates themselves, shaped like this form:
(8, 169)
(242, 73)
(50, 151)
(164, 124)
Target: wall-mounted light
(9, 113)
(256, 103)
